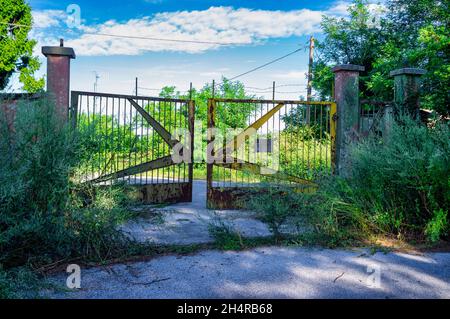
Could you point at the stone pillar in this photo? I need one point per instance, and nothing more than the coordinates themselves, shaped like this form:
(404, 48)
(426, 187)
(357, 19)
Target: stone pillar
(58, 76)
(346, 95)
(406, 90)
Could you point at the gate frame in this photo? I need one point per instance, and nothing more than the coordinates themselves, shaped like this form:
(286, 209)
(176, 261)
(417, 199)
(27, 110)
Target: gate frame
(154, 193)
(228, 198)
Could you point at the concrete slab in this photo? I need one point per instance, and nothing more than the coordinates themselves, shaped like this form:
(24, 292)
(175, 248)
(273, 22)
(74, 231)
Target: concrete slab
(188, 223)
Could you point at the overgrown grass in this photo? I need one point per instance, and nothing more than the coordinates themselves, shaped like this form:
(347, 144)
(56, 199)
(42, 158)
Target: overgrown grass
(397, 186)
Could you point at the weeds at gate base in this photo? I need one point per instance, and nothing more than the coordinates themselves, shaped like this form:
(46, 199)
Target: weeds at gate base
(397, 187)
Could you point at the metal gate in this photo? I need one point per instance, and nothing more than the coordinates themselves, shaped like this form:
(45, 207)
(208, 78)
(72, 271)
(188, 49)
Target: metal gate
(257, 143)
(131, 139)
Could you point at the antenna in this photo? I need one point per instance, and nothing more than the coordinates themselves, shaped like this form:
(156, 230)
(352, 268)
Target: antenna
(97, 77)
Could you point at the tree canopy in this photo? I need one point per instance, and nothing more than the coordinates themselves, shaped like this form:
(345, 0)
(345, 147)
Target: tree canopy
(405, 33)
(15, 46)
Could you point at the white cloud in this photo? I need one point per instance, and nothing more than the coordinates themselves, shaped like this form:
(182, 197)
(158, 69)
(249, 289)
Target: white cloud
(48, 18)
(217, 24)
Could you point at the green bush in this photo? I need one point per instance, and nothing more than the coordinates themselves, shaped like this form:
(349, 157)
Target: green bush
(404, 180)
(275, 206)
(18, 283)
(225, 237)
(46, 214)
(437, 226)
(398, 185)
(35, 163)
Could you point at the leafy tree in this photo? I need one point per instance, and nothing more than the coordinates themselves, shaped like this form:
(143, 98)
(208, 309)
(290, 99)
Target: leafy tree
(419, 37)
(408, 34)
(350, 41)
(16, 49)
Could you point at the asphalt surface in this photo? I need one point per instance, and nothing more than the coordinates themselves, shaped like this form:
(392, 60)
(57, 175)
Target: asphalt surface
(270, 272)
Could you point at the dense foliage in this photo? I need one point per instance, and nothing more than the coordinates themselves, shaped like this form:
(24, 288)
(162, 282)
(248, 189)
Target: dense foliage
(45, 213)
(15, 46)
(403, 34)
(398, 186)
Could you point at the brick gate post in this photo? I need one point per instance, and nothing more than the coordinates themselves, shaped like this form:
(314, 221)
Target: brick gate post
(58, 76)
(346, 95)
(406, 90)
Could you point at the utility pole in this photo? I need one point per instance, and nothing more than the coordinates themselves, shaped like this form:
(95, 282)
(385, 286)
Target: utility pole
(309, 88)
(136, 85)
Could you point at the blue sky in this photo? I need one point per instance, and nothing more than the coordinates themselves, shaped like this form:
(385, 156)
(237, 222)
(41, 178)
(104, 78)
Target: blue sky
(258, 31)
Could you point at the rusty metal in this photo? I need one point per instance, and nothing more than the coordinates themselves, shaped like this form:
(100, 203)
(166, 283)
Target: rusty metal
(305, 149)
(165, 193)
(141, 168)
(158, 127)
(257, 169)
(236, 197)
(130, 139)
(239, 139)
(371, 115)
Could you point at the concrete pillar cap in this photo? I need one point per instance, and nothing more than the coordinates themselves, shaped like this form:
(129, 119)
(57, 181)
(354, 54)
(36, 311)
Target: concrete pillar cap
(60, 51)
(348, 67)
(408, 71)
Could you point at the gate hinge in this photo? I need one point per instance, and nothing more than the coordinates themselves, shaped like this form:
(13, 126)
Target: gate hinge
(335, 117)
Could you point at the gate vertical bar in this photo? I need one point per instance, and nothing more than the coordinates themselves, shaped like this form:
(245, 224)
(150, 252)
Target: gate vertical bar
(73, 109)
(333, 122)
(191, 146)
(210, 149)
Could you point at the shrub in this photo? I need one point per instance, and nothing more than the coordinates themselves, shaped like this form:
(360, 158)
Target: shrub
(35, 162)
(437, 226)
(225, 237)
(403, 181)
(275, 206)
(399, 186)
(45, 213)
(18, 283)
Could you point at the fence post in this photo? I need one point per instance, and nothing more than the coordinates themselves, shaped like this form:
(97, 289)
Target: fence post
(346, 95)
(58, 76)
(406, 90)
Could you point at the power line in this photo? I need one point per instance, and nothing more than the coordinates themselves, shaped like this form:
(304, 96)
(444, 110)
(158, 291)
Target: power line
(278, 86)
(159, 90)
(262, 66)
(149, 89)
(134, 37)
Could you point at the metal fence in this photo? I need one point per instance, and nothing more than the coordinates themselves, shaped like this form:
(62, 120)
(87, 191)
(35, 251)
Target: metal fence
(131, 138)
(371, 116)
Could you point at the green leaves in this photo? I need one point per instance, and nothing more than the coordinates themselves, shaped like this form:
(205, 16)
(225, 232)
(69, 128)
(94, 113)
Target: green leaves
(16, 49)
(409, 34)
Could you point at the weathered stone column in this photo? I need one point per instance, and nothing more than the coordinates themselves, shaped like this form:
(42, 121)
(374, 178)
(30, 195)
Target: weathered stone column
(58, 76)
(346, 95)
(406, 90)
